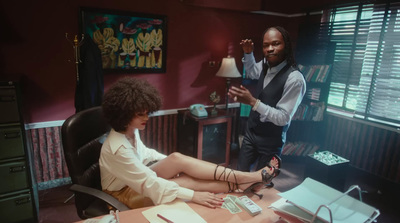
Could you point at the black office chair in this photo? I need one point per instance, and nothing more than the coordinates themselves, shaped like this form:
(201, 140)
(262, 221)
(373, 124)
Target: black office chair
(82, 136)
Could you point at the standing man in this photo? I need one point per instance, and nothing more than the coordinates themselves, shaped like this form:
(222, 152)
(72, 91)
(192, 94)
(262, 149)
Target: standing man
(280, 90)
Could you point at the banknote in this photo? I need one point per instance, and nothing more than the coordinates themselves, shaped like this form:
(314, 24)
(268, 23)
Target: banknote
(231, 205)
(232, 197)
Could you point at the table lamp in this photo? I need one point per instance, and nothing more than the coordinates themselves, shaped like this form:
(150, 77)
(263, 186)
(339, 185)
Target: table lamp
(228, 70)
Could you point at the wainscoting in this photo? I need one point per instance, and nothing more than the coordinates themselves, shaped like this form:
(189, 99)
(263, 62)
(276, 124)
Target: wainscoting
(161, 133)
(50, 168)
(373, 149)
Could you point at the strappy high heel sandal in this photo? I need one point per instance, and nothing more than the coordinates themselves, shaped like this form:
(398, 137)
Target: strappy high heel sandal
(265, 176)
(266, 179)
(278, 158)
(232, 186)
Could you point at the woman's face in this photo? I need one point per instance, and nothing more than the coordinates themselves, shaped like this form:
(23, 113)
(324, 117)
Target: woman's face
(139, 121)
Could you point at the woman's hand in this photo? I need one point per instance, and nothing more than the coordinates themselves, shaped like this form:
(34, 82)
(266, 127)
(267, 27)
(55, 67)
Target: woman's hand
(207, 199)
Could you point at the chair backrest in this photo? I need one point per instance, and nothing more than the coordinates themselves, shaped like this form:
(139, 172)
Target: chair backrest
(82, 136)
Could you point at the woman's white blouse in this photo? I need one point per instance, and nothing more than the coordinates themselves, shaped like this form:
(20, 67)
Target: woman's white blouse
(122, 164)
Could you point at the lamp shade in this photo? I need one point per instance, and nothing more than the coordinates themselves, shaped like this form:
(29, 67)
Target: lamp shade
(228, 68)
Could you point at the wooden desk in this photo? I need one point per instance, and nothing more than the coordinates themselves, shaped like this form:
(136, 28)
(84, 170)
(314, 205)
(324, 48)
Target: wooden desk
(219, 214)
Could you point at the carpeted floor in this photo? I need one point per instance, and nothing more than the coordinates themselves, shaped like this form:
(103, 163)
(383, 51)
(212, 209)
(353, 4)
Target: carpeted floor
(52, 208)
(377, 193)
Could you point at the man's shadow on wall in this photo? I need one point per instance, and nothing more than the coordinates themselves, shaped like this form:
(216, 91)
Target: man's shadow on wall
(207, 78)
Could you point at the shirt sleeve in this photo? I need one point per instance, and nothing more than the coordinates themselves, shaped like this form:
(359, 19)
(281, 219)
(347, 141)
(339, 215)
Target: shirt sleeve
(292, 96)
(252, 69)
(127, 168)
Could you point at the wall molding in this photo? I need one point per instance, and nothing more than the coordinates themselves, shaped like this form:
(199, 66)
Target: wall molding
(286, 15)
(54, 183)
(56, 123)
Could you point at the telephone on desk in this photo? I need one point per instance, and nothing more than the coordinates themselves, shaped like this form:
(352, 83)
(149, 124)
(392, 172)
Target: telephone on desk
(198, 110)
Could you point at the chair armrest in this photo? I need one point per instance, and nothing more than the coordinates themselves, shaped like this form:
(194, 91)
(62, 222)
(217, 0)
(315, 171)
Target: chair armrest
(101, 195)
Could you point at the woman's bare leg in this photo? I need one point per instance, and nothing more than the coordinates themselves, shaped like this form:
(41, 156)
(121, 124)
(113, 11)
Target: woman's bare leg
(177, 163)
(201, 185)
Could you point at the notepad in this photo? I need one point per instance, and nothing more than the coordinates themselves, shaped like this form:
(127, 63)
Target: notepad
(177, 211)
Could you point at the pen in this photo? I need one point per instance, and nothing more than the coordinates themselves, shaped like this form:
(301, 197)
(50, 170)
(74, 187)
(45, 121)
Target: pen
(164, 218)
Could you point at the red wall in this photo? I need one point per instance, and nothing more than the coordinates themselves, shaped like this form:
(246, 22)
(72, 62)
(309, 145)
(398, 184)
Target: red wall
(35, 51)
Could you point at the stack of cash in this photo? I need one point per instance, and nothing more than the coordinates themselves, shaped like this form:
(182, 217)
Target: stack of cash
(245, 202)
(248, 205)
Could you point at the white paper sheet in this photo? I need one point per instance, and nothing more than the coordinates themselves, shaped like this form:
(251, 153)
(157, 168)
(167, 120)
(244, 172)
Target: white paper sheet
(177, 211)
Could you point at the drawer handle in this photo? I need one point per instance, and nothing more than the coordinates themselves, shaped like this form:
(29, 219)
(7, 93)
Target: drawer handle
(12, 135)
(16, 169)
(22, 201)
(7, 98)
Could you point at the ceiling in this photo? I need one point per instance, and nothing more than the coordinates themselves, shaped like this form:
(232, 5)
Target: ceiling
(295, 7)
(283, 8)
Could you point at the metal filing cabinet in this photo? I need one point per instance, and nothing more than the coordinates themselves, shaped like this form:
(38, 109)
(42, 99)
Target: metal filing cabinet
(18, 196)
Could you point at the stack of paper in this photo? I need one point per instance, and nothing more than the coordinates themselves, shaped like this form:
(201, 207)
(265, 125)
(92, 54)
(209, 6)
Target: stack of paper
(304, 201)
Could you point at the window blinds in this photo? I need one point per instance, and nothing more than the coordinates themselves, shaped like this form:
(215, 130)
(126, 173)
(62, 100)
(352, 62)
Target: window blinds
(366, 68)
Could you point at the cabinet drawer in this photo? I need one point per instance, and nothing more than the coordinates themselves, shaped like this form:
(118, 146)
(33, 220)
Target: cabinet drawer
(17, 208)
(8, 104)
(11, 142)
(14, 176)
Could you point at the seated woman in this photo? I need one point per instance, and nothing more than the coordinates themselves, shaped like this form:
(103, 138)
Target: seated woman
(125, 161)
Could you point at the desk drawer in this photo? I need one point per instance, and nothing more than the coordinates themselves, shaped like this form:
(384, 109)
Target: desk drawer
(14, 176)
(8, 104)
(11, 142)
(17, 208)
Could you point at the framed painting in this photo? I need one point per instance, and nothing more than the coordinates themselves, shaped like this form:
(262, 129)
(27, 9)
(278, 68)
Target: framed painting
(129, 42)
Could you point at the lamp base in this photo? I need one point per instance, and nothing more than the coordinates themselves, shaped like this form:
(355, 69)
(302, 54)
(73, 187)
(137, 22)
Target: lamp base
(228, 84)
(214, 111)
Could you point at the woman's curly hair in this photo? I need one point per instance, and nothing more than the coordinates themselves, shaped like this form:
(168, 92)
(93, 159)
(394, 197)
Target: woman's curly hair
(126, 98)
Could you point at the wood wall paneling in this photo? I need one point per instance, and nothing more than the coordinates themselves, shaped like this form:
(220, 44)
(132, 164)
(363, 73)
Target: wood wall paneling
(369, 148)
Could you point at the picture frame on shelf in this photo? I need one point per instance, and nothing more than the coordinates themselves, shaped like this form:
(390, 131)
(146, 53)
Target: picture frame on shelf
(129, 42)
